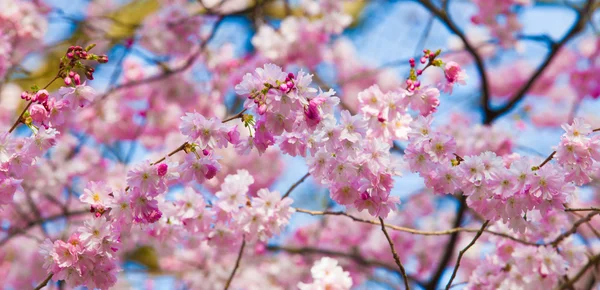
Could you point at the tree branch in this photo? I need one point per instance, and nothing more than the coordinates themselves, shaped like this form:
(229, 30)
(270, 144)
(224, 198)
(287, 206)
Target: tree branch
(449, 251)
(396, 257)
(463, 251)
(237, 264)
(44, 283)
(287, 193)
(574, 30)
(415, 231)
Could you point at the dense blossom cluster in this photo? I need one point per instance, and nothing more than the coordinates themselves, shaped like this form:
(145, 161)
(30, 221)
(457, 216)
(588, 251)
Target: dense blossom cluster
(175, 160)
(503, 187)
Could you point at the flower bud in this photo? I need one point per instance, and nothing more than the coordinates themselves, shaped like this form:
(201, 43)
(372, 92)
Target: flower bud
(162, 169)
(211, 171)
(102, 58)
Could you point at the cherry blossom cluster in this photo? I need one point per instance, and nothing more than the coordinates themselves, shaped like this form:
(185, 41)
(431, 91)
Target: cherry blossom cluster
(327, 274)
(517, 266)
(88, 257)
(578, 152)
(174, 164)
(22, 28)
(490, 13)
(502, 187)
(290, 41)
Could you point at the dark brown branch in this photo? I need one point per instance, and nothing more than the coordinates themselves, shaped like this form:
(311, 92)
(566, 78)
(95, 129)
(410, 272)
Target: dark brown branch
(463, 251)
(395, 254)
(555, 49)
(583, 209)
(237, 264)
(289, 191)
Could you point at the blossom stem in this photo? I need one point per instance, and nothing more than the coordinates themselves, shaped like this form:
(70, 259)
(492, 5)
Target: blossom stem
(289, 191)
(44, 283)
(237, 264)
(463, 251)
(19, 119)
(395, 254)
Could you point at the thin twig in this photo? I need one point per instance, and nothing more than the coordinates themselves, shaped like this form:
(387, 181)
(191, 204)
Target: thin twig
(237, 264)
(17, 231)
(44, 283)
(463, 251)
(415, 231)
(236, 116)
(583, 209)
(573, 229)
(395, 254)
(287, 193)
(20, 118)
(569, 284)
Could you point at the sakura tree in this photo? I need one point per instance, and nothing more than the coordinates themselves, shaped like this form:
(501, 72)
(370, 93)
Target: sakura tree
(238, 144)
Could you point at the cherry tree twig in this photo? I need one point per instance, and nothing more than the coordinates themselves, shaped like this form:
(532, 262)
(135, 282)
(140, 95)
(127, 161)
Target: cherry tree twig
(463, 251)
(395, 254)
(289, 191)
(31, 224)
(44, 283)
(594, 260)
(415, 231)
(237, 264)
(20, 118)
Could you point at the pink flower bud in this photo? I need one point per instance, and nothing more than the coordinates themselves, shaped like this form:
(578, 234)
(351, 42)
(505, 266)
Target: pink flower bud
(102, 58)
(68, 81)
(291, 76)
(205, 152)
(423, 60)
(262, 109)
(365, 195)
(283, 88)
(211, 171)
(77, 79)
(162, 169)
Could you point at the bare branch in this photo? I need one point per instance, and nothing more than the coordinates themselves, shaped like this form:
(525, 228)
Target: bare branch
(237, 264)
(396, 257)
(463, 251)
